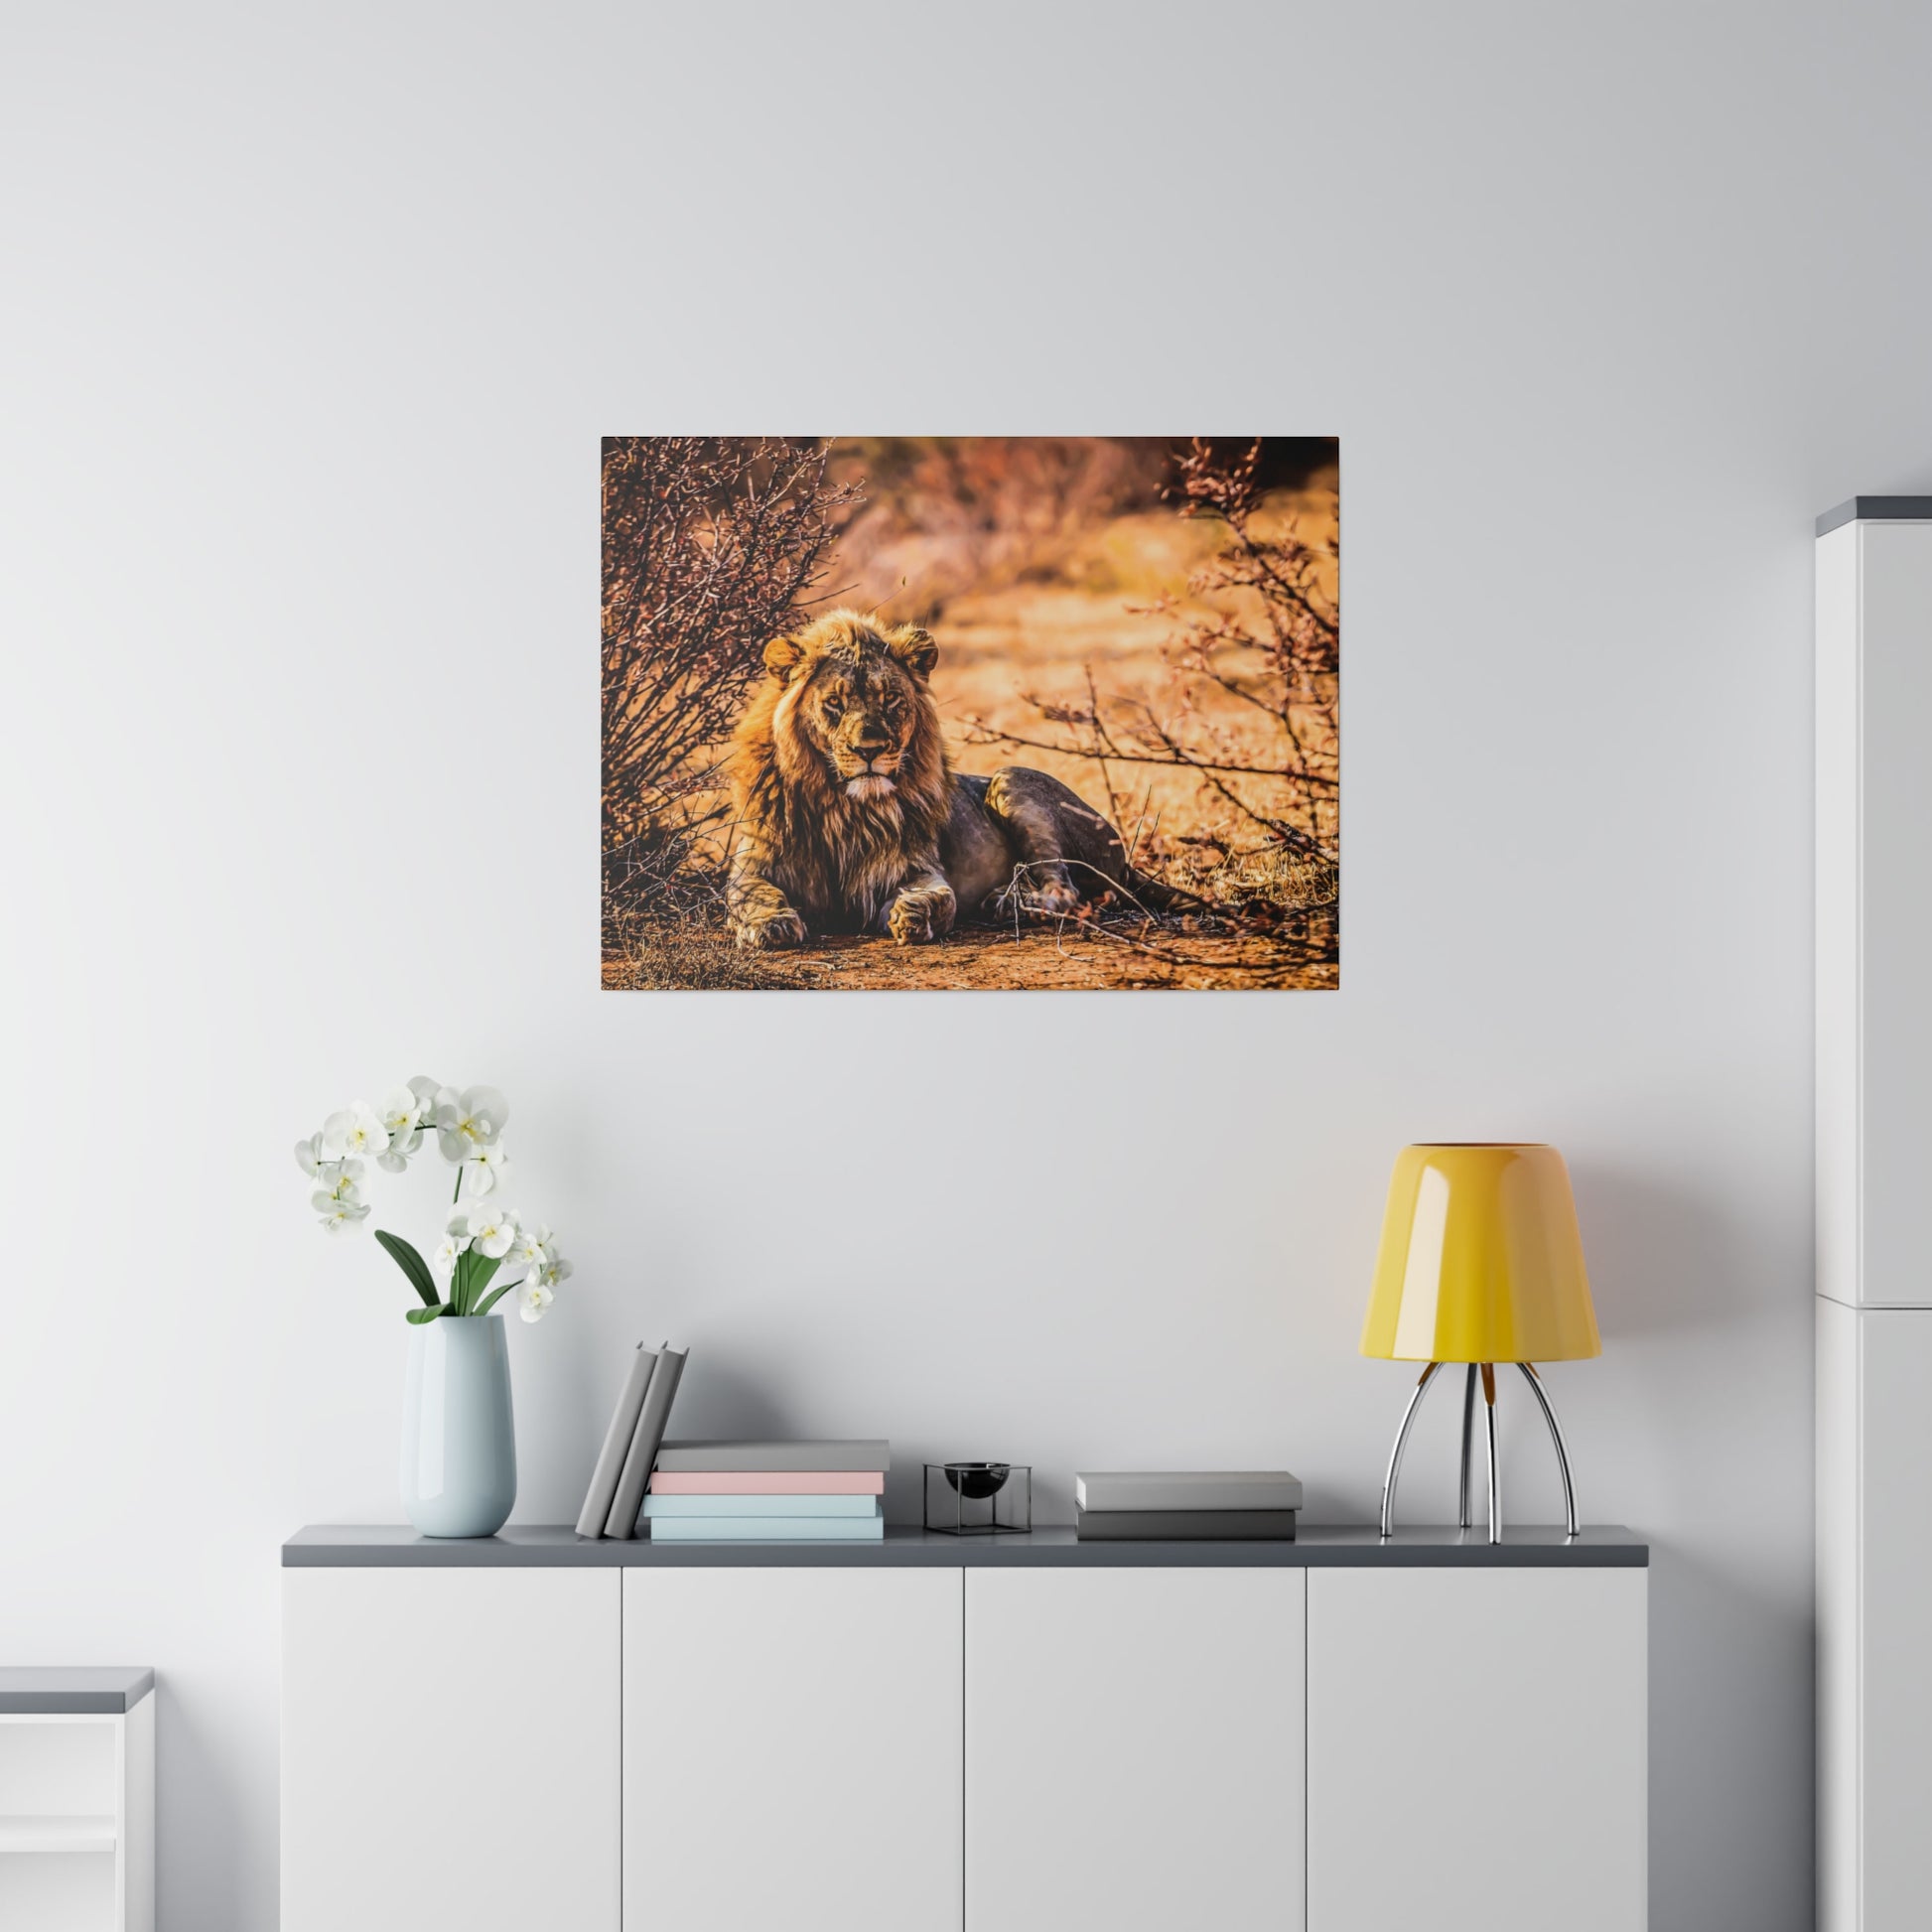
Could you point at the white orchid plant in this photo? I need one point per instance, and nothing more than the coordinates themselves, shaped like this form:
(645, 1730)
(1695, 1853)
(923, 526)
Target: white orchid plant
(482, 1232)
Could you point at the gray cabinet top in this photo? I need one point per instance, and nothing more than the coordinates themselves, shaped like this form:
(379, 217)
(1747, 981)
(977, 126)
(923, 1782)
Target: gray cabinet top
(67, 1690)
(1876, 510)
(544, 1546)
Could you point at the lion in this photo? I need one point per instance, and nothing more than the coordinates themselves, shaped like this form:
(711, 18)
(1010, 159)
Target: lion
(851, 818)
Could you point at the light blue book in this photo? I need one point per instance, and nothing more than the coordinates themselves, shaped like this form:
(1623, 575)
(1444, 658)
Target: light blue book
(767, 1529)
(662, 1506)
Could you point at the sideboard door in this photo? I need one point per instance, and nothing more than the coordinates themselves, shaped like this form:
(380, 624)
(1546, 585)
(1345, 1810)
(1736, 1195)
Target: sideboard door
(791, 1750)
(1477, 1749)
(450, 1749)
(1133, 1750)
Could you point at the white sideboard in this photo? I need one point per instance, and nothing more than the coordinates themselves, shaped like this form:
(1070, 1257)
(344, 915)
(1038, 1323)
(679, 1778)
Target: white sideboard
(936, 1735)
(1873, 881)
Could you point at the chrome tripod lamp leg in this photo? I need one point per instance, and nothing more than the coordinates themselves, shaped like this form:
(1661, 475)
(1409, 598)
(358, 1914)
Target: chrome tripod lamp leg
(1495, 1467)
(1400, 1438)
(1463, 1516)
(1556, 1435)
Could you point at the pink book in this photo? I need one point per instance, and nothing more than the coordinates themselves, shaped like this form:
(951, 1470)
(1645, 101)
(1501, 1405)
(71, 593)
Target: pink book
(770, 1482)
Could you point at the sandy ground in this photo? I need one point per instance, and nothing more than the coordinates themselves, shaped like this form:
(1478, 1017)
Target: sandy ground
(985, 959)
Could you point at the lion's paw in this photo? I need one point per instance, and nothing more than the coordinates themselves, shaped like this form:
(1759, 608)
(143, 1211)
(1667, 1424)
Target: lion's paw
(920, 917)
(1055, 900)
(772, 932)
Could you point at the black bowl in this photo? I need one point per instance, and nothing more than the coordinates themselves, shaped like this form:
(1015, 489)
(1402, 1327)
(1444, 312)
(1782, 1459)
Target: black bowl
(978, 1480)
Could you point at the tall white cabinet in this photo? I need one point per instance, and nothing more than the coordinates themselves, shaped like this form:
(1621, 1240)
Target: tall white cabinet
(1874, 1186)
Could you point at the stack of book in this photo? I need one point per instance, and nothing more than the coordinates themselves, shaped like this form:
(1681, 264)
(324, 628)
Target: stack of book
(1227, 1506)
(777, 1492)
(630, 1443)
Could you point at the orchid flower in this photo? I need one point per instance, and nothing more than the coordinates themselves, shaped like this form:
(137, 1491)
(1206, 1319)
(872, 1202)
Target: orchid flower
(456, 1242)
(551, 1272)
(491, 1232)
(470, 1121)
(341, 1213)
(356, 1129)
(486, 1170)
(341, 1179)
(532, 1247)
(401, 1115)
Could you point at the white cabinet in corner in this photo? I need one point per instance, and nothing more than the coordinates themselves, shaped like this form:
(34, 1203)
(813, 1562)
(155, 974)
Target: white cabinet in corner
(450, 1749)
(1133, 1750)
(1477, 1749)
(76, 1800)
(1875, 1144)
(791, 1749)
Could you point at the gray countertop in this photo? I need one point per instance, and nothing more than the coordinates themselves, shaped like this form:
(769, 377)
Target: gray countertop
(64, 1690)
(1876, 510)
(546, 1546)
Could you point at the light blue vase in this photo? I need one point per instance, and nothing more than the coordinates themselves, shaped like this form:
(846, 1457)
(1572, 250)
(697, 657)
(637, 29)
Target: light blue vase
(459, 1440)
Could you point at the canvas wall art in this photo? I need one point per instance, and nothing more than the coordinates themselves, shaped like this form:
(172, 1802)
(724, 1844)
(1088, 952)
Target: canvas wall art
(902, 713)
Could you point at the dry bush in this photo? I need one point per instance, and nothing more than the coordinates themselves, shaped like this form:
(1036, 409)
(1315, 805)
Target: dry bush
(1266, 655)
(711, 546)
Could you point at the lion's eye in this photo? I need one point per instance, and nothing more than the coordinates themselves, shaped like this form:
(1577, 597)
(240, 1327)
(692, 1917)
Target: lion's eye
(834, 710)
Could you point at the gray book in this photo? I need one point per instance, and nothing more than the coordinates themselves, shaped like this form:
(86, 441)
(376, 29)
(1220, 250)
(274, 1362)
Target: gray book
(616, 1444)
(739, 1458)
(645, 1440)
(1187, 1526)
(1189, 1489)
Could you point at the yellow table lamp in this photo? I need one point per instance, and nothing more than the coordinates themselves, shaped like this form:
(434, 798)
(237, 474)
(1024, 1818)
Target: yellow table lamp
(1481, 1263)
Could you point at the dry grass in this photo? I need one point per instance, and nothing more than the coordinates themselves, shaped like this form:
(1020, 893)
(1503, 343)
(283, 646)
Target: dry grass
(1073, 958)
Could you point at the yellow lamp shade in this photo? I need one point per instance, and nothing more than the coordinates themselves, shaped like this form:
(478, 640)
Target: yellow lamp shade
(1480, 1259)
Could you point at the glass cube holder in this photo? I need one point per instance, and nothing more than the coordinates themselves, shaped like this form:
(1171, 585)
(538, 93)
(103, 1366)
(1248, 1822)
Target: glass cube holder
(979, 1498)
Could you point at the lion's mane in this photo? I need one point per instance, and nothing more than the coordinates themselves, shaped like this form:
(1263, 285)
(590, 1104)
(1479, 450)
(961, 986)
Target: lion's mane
(838, 857)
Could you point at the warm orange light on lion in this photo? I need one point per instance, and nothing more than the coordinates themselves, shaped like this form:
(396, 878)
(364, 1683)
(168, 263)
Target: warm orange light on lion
(850, 819)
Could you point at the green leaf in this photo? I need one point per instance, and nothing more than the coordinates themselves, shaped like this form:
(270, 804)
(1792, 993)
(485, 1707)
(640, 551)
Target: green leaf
(420, 1315)
(480, 1275)
(412, 1265)
(494, 1296)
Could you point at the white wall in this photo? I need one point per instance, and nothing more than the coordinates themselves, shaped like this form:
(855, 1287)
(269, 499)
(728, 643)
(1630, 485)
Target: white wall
(312, 323)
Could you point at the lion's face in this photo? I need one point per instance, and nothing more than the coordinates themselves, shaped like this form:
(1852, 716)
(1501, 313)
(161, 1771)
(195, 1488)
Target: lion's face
(854, 698)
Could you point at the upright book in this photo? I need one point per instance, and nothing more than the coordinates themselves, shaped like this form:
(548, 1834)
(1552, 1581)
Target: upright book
(603, 1491)
(644, 1443)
